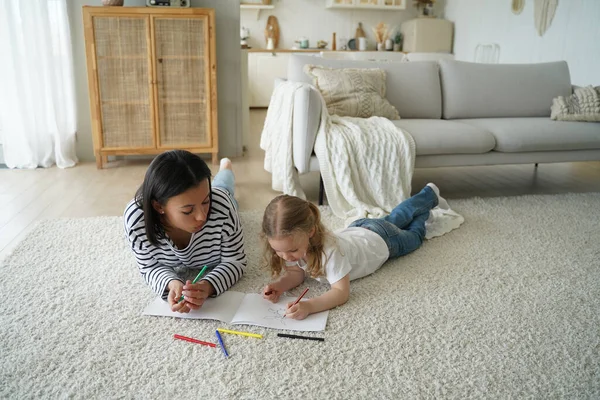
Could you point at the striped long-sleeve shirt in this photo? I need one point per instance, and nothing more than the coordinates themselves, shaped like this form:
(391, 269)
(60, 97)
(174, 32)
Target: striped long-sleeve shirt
(219, 244)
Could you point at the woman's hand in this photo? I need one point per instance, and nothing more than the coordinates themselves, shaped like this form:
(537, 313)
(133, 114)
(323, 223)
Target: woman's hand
(175, 290)
(194, 295)
(271, 293)
(298, 311)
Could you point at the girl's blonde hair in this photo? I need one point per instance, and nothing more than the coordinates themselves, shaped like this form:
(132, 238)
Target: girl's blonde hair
(285, 216)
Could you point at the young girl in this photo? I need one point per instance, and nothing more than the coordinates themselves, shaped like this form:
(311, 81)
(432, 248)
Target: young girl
(178, 218)
(297, 243)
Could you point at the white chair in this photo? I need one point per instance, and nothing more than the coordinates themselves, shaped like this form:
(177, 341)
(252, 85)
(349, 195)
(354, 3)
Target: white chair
(487, 53)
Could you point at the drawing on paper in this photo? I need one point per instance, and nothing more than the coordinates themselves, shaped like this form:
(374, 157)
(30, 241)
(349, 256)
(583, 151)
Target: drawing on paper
(276, 314)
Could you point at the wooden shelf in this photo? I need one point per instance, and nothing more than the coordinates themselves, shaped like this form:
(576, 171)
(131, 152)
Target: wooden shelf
(367, 7)
(261, 50)
(255, 8)
(357, 6)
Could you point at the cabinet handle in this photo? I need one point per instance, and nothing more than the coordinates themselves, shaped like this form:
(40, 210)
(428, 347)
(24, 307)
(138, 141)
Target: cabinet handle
(160, 60)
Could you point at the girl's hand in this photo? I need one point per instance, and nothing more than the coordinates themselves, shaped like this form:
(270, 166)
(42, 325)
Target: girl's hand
(298, 311)
(271, 293)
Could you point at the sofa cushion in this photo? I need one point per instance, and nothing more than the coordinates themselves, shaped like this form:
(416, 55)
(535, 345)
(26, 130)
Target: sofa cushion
(472, 90)
(413, 88)
(539, 134)
(435, 136)
(353, 92)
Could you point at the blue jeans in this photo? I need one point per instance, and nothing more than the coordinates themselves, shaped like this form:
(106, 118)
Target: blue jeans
(224, 179)
(404, 229)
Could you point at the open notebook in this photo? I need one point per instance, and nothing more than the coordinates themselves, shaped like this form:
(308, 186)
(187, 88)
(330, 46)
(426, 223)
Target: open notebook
(240, 308)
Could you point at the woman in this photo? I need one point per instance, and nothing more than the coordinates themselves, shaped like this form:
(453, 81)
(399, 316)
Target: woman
(178, 218)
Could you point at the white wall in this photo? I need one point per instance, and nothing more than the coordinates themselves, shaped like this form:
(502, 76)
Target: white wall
(574, 35)
(310, 18)
(228, 77)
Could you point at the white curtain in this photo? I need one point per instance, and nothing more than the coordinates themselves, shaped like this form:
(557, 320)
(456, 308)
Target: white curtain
(37, 103)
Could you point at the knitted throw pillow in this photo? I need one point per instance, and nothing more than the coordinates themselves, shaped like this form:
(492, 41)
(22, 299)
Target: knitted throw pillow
(582, 105)
(353, 92)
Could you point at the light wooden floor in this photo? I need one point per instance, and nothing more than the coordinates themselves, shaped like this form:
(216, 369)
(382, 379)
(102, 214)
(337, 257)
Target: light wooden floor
(83, 191)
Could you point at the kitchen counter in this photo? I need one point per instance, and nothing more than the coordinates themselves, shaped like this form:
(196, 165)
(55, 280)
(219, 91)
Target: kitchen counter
(260, 50)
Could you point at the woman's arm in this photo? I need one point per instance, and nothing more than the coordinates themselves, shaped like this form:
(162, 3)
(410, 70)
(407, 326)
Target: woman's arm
(233, 257)
(156, 275)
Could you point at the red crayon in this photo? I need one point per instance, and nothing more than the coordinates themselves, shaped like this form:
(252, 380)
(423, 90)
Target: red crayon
(189, 339)
(298, 299)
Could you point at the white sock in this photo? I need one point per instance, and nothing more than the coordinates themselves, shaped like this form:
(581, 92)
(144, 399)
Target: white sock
(223, 162)
(442, 203)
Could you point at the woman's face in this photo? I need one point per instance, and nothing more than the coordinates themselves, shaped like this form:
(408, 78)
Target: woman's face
(187, 211)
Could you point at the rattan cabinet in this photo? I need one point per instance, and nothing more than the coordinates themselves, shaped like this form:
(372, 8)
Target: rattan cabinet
(152, 80)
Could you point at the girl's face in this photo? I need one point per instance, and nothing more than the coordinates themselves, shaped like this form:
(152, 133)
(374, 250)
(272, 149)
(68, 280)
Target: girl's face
(292, 247)
(187, 211)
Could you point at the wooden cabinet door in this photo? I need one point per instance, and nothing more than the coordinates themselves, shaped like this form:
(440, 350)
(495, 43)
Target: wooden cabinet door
(182, 81)
(124, 100)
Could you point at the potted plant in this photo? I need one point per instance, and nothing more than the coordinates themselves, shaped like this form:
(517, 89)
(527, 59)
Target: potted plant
(398, 42)
(382, 33)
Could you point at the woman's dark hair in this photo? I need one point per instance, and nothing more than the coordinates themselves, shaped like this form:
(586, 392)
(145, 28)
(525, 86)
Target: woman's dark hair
(169, 174)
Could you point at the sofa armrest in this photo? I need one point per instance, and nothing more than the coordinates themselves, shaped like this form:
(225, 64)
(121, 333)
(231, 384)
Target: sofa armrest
(305, 124)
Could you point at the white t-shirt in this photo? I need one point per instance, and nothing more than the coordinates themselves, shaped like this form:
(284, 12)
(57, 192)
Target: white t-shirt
(355, 251)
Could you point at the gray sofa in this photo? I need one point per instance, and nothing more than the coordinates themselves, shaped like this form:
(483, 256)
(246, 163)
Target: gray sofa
(461, 113)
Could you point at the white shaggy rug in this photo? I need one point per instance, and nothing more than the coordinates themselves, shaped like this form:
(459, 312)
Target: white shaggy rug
(507, 306)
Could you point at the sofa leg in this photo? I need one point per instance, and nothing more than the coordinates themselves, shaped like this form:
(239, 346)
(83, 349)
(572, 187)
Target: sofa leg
(321, 190)
(536, 164)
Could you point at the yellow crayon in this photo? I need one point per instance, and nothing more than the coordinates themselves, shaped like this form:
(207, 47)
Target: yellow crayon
(256, 335)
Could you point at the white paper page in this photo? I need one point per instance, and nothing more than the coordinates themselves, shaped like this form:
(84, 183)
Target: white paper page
(221, 308)
(255, 310)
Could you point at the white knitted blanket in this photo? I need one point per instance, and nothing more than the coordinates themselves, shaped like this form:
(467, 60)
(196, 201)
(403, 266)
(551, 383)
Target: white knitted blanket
(366, 163)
